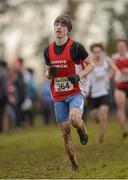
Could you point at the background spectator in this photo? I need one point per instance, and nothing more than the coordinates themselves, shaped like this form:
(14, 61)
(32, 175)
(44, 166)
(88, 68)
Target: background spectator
(3, 91)
(47, 103)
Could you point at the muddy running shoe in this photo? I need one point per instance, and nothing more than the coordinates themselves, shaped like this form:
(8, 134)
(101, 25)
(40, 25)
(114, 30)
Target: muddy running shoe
(100, 140)
(83, 135)
(125, 134)
(75, 167)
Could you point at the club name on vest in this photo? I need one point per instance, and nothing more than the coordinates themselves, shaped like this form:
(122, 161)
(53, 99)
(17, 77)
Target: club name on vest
(60, 63)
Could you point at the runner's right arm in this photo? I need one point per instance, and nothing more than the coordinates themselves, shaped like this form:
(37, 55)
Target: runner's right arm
(50, 70)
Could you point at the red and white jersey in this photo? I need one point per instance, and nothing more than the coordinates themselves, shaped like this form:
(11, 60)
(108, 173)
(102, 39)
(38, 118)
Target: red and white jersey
(121, 62)
(61, 87)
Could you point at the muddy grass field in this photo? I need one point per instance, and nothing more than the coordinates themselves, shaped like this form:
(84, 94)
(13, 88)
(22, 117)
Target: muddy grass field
(38, 153)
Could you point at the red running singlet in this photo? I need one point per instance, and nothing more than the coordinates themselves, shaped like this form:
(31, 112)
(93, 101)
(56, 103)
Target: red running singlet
(61, 87)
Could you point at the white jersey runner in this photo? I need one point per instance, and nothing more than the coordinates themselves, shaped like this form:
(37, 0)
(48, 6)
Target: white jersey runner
(98, 80)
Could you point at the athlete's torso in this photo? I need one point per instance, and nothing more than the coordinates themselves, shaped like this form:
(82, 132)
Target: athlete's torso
(99, 81)
(61, 87)
(122, 63)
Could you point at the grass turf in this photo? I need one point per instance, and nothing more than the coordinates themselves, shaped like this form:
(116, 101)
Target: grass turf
(38, 153)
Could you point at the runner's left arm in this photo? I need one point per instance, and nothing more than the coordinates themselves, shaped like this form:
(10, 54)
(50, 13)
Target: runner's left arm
(89, 65)
(88, 62)
(113, 66)
(79, 53)
(114, 69)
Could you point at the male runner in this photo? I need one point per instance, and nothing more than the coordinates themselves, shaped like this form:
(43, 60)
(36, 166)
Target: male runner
(99, 83)
(121, 91)
(67, 64)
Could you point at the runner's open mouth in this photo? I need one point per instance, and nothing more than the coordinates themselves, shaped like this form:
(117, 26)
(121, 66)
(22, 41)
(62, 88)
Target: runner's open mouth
(58, 31)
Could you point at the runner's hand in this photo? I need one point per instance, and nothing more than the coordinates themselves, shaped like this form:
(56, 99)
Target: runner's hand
(52, 70)
(74, 79)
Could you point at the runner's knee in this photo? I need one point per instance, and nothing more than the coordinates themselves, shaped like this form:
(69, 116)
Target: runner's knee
(75, 119)
(72, 118)
(65, 130)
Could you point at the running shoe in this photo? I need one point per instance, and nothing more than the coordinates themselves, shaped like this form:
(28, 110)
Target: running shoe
(83, 135)
(125, 134)
(75, 167)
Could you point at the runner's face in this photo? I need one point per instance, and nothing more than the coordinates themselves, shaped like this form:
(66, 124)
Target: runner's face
(60, 29)
(121, 47)
(97, 52)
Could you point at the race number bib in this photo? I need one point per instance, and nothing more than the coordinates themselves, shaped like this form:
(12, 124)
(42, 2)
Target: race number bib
(62, 84)
(100, 77)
